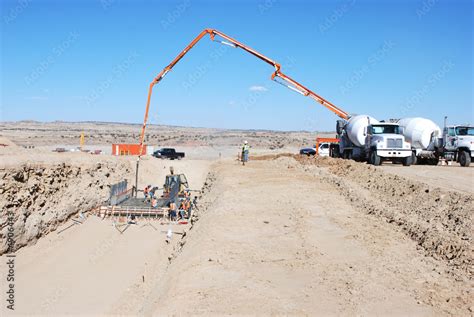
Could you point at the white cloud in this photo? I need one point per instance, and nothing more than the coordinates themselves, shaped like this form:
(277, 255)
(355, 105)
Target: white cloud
(257, 88)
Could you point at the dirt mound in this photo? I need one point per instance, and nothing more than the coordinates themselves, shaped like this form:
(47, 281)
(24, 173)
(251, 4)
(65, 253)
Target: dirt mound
(440, 221)
(270, 156)
(42, 197)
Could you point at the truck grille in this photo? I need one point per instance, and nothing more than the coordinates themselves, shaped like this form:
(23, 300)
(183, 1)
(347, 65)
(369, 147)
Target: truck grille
(394, 143)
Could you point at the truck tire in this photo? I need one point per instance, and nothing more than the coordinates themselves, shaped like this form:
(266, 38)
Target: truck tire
(414, 159)
(464, 158)
(374, 159)
(433, 161)
(406, 161)
(334, 150)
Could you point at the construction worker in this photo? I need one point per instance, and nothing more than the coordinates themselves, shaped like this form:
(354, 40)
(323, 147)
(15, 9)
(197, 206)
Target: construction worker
(182, 209)
(188, 207)
(152, 192)
(146, 192)
(195, 203)
(245, 152)
(172, 211)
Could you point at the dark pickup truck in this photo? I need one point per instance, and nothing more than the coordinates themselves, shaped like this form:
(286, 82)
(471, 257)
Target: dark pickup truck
(168, 153)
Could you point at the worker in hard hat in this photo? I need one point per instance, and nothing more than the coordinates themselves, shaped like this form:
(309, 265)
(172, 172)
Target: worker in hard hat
(245, 152)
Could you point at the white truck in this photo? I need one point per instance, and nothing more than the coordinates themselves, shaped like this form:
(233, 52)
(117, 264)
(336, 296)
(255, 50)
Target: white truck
(429, 144)
(323, 149)
(364, 138)
(457, 144)
(421, 133)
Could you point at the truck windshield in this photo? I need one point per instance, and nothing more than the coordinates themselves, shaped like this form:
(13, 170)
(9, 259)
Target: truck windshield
(465, 130)
(380, 129)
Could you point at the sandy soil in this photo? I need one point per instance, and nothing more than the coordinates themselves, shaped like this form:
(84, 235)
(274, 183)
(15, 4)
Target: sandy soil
(283, 235)
(293, 246)
(274, 237)
(92, 268)
(452, 177)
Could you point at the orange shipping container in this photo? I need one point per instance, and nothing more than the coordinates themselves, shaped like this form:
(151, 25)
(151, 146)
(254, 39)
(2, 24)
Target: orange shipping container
(127, 149)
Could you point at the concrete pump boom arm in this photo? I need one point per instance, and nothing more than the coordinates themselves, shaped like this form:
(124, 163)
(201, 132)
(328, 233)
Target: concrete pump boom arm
(287, 81)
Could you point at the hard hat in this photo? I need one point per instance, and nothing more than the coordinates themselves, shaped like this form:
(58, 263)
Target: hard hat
(245, 142)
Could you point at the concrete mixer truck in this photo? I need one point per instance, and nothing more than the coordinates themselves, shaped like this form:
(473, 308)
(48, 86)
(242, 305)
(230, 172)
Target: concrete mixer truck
(458, 144)
(429, 144)
(422, 134)
(364, 138)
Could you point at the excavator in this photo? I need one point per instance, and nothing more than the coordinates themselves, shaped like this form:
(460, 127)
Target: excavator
(277, 76)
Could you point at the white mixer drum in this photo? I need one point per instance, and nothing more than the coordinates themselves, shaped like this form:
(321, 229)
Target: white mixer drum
(356, 126)
(418, 131)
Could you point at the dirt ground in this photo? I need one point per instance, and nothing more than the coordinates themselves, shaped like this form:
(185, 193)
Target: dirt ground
(447, 177)
(277, 236)
(284, 234)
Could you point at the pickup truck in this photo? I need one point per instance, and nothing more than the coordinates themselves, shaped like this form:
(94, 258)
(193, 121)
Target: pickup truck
(322, 151)
(168, 153)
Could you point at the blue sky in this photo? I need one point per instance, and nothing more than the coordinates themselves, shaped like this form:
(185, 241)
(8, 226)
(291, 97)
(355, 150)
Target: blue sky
(93, 61)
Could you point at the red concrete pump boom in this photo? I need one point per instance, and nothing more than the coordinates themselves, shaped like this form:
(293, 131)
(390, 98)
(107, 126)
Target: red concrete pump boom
(286, 81)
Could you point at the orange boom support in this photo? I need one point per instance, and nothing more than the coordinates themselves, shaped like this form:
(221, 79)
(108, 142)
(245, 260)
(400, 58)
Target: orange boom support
(285, 80)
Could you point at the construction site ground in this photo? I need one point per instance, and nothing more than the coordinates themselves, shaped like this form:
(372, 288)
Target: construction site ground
(281, 235)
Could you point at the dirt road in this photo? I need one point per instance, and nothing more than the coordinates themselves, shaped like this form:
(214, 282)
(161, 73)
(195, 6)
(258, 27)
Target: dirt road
(447, 177)
(279, 241)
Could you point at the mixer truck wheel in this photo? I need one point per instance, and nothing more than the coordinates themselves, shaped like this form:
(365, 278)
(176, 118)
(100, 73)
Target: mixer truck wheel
(414, 159)
(464, 158)
(406, 161)
(347, 154)
(374, 159)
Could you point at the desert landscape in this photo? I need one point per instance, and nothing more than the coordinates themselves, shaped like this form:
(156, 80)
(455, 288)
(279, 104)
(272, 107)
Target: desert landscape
(284, 234)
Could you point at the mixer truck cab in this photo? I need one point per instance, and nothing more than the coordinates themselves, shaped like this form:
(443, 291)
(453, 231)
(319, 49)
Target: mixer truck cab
(364, 138)
(385, 142)
(459, 143)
